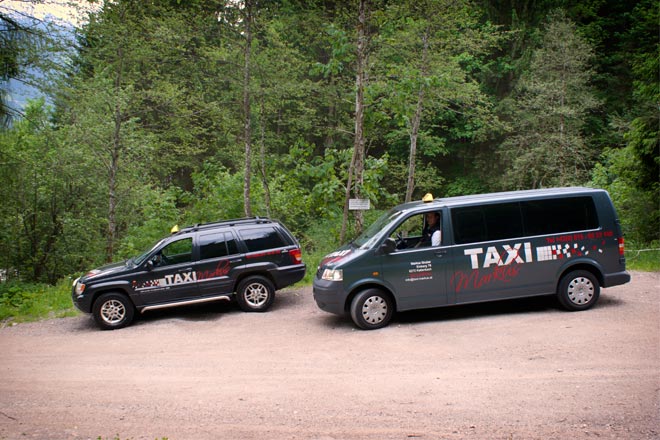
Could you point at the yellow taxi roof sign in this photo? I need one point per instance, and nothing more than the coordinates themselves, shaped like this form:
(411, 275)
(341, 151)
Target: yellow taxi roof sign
(174, 229)
(427, 198)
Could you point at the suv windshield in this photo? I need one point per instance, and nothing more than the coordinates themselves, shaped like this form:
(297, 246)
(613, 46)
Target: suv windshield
(140, 258)
(367, 238)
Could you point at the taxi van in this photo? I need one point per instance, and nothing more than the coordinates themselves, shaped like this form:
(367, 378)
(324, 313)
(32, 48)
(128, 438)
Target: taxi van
(459, 250)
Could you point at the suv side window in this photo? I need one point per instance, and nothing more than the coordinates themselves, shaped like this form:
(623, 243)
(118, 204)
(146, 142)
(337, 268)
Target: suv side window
(258, 239)
(216, 245)
(177, 252)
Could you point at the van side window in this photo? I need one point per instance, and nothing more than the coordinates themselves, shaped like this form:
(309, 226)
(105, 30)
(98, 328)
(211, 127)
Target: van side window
(469, 225)
(513, 220)
(217, 245)
(503, 220)
(553, 216)
(486, 223)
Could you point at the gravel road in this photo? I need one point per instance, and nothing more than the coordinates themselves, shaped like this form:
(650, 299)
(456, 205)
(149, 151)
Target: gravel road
(510, 370)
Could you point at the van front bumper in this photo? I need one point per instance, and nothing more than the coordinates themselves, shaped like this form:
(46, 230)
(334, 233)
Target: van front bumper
(330, 296)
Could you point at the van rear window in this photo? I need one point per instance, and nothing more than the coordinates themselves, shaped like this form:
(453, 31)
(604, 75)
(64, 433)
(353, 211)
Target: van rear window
(552, 216)
(520, 219)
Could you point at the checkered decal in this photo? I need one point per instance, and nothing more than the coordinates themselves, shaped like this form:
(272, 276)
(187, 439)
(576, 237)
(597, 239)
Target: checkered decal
(559, 251)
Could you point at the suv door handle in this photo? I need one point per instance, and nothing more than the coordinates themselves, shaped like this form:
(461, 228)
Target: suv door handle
(236, 260)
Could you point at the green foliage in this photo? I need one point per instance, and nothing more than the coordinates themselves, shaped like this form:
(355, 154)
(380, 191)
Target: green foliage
(549, 111)
(643, 257)
(637, 207)
(146, 128)
(154, 220)
(21, 302)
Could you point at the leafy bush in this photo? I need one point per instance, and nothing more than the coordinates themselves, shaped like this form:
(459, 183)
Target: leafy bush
(28, 302)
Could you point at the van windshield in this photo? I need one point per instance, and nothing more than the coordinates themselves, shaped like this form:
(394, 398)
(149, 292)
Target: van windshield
(367, 239)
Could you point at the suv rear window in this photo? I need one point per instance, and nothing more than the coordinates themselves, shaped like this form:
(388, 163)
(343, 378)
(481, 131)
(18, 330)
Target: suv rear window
(258, 239)
(215, 245)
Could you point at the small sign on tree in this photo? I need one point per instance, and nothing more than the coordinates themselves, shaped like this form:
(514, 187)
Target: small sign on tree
(359, 204)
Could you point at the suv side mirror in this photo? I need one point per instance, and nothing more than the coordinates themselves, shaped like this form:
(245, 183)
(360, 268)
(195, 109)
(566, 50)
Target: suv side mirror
(150, 264)
(388, 246)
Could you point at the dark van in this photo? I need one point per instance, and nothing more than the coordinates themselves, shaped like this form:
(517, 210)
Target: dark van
(460, 250)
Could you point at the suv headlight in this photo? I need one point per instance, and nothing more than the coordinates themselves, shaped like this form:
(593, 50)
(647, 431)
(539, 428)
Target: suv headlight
(80, 288)
(333, 275)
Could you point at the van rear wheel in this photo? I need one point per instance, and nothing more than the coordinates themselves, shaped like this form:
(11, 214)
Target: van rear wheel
(372, 309)
(578, 290)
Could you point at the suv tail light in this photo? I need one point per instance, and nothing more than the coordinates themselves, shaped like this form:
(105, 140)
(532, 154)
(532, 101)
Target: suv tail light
(296, 255)
(621, 246)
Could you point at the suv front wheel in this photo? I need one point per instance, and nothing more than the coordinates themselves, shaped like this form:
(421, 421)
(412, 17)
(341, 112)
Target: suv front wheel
(255, 294)
(112, 311)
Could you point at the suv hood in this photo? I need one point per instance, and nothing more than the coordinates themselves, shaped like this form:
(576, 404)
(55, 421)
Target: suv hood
(103, 271)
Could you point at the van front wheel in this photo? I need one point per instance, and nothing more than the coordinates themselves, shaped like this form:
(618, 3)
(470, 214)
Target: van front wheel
(372, 309)
(578, 290)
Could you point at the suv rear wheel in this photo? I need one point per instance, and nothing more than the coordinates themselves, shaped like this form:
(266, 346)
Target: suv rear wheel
(255, 294)
(112, 311)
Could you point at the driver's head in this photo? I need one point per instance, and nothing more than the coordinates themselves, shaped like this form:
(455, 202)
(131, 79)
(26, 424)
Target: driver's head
(432, 218)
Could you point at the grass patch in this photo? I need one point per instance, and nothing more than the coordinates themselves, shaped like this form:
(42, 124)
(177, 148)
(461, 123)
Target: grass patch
(645, 258)
(24, 302)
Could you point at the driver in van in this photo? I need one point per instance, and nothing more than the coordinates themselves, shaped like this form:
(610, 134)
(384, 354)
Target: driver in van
(431, 235)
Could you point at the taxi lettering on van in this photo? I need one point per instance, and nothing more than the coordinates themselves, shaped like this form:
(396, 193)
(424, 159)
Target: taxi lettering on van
(510, 255)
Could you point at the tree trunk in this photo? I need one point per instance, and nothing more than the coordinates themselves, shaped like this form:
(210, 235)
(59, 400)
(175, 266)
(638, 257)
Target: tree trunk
(264, 176)
(416, 121)
(113, 166)
(247, 130)
(356, 167)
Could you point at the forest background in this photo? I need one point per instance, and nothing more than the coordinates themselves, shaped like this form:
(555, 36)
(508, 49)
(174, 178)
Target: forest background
(162, 112)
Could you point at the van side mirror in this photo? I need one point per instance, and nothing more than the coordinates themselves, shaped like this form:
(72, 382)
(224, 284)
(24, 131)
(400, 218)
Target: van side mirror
(388, 246)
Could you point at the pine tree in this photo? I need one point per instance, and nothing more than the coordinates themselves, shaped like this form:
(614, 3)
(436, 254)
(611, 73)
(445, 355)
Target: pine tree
(551, 103)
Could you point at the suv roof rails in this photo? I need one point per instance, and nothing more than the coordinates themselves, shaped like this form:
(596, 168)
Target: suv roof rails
(232, 222)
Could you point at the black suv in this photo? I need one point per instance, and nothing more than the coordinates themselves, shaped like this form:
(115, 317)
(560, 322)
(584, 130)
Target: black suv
(247, 258)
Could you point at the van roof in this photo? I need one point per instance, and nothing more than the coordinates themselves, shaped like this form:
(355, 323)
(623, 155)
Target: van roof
(499, 196)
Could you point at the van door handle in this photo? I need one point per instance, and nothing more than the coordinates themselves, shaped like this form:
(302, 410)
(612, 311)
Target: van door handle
(440, 253)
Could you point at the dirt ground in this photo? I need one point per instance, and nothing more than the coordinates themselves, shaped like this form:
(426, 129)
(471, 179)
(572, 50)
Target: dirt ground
(511, 370)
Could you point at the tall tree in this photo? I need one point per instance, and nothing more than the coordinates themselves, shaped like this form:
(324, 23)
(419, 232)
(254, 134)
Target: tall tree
(248, 18)
(426, 51)
(356, 168)
(551, 103)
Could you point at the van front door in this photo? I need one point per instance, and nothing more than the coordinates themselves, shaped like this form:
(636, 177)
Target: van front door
(416, 270)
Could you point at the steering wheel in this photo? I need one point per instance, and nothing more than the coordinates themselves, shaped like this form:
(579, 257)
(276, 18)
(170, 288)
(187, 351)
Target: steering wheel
(400, 242)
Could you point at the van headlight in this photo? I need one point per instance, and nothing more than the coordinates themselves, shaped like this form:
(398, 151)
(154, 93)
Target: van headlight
(333, 275)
